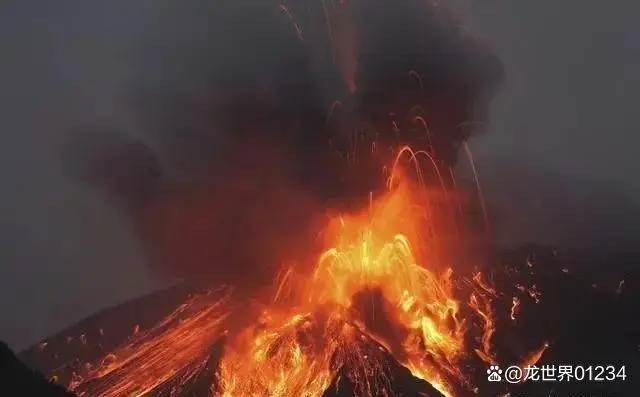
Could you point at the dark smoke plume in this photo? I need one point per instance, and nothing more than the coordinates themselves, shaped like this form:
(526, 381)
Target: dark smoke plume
(244, 162)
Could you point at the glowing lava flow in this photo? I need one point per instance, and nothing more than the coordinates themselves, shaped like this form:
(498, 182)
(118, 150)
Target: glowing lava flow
(412, 314)
(298, 353)
(372, 295)
(178, 344)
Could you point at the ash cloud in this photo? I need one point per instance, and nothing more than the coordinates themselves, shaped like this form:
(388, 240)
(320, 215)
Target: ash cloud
(237, 169)
(532, 203)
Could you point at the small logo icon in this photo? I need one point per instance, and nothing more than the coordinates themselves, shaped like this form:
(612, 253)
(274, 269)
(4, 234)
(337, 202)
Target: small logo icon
(494, 374)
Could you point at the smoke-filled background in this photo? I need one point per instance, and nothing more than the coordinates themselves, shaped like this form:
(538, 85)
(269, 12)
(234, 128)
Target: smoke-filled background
(557, 163)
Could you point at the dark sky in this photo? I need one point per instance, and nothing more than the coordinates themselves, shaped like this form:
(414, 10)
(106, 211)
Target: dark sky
(560, 154)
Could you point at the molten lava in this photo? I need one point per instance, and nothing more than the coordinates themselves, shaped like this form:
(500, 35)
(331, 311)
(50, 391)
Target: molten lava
(378, 291)
(298, 352)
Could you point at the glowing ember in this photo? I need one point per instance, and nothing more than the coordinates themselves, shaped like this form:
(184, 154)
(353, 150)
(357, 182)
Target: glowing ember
(515, 306)
(534, 356)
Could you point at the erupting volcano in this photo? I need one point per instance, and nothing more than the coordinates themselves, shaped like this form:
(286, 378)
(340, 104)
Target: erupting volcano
(376, 300)
(387, 297)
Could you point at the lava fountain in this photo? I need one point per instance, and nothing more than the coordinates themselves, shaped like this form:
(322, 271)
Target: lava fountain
(297, 352)
(377, 291)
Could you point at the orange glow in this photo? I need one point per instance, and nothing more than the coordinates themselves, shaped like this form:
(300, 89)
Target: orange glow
(515, 306)
(380, 267)
(180, 342)
(370, 251)
(535, 356)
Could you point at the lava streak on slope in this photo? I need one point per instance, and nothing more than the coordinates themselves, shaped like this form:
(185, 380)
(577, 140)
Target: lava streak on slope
(176, 346)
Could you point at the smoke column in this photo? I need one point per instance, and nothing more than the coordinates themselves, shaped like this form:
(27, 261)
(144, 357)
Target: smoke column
(241, 162)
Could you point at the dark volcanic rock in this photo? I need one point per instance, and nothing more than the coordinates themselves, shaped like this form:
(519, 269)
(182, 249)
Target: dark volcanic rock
(16, 379)
(89, 340)
(402, 384)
